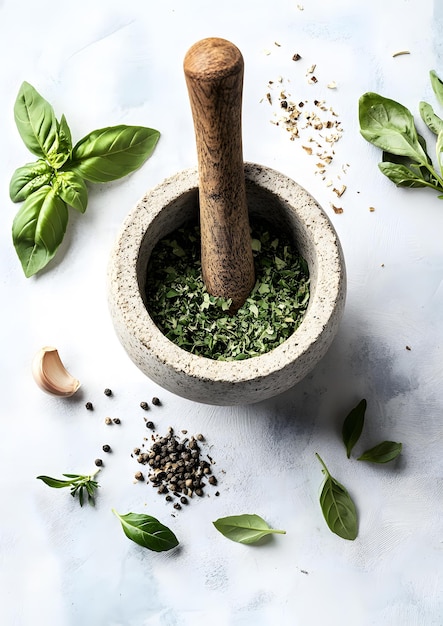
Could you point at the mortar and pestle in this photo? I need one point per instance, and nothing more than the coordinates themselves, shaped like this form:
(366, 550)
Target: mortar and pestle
(223, 192)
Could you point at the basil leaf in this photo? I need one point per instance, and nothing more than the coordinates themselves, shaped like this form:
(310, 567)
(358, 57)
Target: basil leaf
(38, 229)
(384, 452)
(36, 122)
(55, 482)
(401, 175)
(439, 150)
(437, 85)
(390, 126)
(65, 138)
(72, 189)
(27, 179)
(110, 153)
(431, 119)
(147, 531)
(245, 528)
(353, 426)
(338, 507)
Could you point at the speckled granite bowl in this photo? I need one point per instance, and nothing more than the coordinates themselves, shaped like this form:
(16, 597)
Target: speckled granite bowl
(270, 195)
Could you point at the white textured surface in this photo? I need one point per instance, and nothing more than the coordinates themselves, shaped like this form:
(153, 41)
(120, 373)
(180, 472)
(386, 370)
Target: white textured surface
(106, 63)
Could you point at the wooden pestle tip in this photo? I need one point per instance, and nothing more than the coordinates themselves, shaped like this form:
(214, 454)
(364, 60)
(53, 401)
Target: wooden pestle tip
(213, 58)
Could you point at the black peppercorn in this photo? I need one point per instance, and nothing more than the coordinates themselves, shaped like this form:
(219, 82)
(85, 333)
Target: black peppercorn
(150, 425)
(106, 448)
(107, 392)
(116, 420)
(139, 476)
(155, 401)
(98, 462)
(89, 406)
(144, 406)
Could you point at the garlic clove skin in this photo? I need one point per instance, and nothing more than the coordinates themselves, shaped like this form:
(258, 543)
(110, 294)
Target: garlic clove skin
(51, 375)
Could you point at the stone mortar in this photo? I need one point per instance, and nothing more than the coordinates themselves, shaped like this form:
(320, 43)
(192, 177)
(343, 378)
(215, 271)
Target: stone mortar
(274, 197)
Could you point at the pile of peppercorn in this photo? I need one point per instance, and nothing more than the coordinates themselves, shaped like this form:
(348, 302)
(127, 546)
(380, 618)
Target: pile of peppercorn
(176, 467)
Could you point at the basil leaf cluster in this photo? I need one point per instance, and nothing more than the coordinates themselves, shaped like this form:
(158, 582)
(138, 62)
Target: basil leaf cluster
(57, 179)
(390, 126)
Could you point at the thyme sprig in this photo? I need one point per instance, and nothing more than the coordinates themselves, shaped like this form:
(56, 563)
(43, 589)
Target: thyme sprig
(80, 485)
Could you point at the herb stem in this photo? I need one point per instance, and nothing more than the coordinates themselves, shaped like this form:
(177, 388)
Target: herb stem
(325, 469)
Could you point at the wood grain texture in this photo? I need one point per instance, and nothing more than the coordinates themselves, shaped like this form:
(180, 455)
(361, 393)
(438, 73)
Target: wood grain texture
(214, 76)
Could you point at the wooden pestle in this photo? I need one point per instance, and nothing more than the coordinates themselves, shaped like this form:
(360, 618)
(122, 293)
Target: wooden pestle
(214, 76)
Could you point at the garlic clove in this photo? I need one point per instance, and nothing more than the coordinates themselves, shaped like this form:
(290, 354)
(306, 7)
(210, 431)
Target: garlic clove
(51, 375)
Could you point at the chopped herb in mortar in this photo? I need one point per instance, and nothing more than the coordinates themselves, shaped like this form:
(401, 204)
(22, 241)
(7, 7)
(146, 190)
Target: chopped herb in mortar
(200, 323)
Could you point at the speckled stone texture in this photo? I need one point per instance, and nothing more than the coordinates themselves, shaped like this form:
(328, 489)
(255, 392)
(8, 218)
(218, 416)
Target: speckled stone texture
(289, 207)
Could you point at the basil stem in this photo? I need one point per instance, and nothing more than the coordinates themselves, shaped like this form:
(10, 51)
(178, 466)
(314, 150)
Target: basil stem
(147, 531)
(337, 506)
(245, 528)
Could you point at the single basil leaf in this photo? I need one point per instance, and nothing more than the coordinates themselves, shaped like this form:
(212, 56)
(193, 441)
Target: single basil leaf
(65, 138)
(390, 126)
(55, 482)
(353, 426)
(437, 85)
(338, 507)
(72, 189)
(38, 229)
(431, 119)
(110, 153)
(27, 179)
(401, 175)
(384, 452)
(36, 122)
(147, 531)
(245, 528)
(439, 149)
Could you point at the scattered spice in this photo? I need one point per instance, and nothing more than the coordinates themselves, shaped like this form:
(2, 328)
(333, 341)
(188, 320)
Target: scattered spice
(296, 57)
(107, 392)
(400, 53)
(139, 476)
(371, 209)
(106, 448)
(144, 406)
(89, 406)
(155, 401)
(408, 347)
(150, 425)
(108, 420)
(98, 462)
(337, 209)
(116, 420)
(176, 466)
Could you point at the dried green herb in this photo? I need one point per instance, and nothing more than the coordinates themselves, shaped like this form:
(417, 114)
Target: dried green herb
(245, 528)
(384, 452)
(78, 483)
(353, 426)
(200, 323)
(337, 506)
(147, 531)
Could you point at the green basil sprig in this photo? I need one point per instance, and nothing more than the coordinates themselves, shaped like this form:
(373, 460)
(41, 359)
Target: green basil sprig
(147, 531)
(390, 126)
(245, 528)
(337, 506)
(79, 484)
(57, 179)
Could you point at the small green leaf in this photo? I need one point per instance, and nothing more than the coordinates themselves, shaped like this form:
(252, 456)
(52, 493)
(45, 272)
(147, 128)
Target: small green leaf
(384, 452)
(245, 528)
(437, 85)
(353, 426)
(390, 126)
(29, 178)
(431, 119)
(401, 175)
(147, 531)
(110, 153)
(439, 150)
(72, 189)
(338, 507)
(38, 229)
(36, 122)
(55, 482)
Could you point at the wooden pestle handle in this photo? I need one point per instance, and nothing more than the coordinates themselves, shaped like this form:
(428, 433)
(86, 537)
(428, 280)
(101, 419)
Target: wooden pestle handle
(214, 76)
